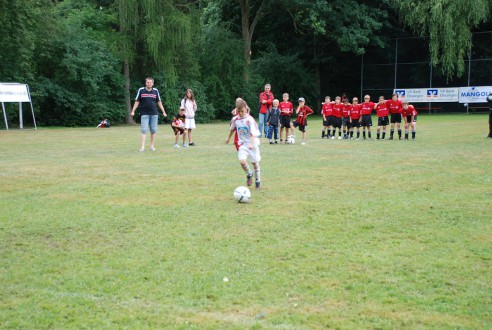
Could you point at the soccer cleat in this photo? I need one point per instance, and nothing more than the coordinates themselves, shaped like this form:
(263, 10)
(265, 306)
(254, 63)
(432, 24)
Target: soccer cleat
(185, 145)
(271, 142)
(141, 149)
(152, 148)
(332, 137)
(192, 144)
(249, 179)
(258, 185)
(176, 145)
(339, 137)
(276, 142)
(303, 143)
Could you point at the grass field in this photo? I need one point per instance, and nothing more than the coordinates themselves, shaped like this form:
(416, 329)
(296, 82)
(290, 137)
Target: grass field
(344, 234)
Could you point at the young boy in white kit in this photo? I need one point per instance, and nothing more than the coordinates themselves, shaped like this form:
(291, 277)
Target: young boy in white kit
(248, 142)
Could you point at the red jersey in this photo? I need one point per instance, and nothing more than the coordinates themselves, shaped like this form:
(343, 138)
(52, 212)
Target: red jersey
(346, 110)
(395, 106)
(268, 97)
(302, 114)
(410, 111)
(382, 110)
(286, 108)
(327, 109)
(355, 111)
(366, 108)
(337, 110)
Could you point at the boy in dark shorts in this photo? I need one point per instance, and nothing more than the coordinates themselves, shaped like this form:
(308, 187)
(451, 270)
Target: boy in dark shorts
(410, 117)
(286, 110)
(302, 112)
(178, 127)
(337, 117)
(354, 118)
(395, 108)
(366, 121)
(382, 111)
(346, 118)
(327, 112)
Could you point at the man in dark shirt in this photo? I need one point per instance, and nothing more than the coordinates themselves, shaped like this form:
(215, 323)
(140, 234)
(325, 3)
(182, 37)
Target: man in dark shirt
(147, 100)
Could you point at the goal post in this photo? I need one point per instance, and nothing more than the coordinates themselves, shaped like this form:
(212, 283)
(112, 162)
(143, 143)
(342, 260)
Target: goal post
(16, 93)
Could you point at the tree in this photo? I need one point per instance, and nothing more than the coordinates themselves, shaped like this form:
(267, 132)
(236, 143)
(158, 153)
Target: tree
(448, 23)
(156, 28)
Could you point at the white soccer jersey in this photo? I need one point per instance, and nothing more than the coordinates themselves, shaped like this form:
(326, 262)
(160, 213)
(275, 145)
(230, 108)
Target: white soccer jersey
(246, 129)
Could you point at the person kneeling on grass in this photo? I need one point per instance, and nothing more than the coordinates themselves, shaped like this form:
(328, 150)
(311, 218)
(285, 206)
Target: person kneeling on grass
(178, 127)
(248, 142)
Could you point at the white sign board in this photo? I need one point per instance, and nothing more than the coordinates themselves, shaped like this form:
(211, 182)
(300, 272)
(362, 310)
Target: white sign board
(417, 95)
(476, 94)
(14, 93)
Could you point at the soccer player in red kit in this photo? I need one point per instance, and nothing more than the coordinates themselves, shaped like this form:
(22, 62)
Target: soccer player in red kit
(286, 110)
(354, 117)
(346, 118)
(337, 117)
(365, 111)
(327, 112)
(410, 117)
(395, 107)
(382, 111)
(302, 112)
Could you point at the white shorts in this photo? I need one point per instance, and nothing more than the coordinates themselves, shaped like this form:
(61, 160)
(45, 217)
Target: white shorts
(190, 123)
(254, 154)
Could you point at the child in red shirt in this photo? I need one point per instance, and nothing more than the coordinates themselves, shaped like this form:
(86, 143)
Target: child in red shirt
(302, 112)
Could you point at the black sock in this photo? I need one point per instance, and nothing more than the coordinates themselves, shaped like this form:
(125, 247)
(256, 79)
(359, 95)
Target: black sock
(369, 134)
(399, 133)
(406, 135)
(358, 134)
(384, 135)
(377, 135)
(413, 134)
(364, 134)
(392, 131)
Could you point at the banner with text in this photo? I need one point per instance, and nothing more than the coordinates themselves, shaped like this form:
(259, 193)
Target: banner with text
(476, 94)
(14, 93)
(416, 95)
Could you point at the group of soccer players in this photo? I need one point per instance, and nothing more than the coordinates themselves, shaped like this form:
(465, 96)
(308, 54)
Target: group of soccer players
(348, 116)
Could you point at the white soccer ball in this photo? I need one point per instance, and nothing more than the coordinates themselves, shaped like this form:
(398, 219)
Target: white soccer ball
(291, 140)
(242, 194)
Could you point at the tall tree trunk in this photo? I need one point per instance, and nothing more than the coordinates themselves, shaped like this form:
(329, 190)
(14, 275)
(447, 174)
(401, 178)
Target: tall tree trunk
(248, 30)
(126, 72)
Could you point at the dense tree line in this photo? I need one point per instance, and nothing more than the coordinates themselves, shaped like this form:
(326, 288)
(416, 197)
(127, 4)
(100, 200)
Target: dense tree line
(84, 59)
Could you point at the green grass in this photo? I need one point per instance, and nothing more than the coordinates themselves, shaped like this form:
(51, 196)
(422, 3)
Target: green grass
(344, 234)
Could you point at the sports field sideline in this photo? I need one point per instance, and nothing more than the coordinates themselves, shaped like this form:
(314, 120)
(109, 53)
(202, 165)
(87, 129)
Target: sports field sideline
(344, 234)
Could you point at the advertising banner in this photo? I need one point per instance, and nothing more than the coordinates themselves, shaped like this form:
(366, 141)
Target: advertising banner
(14, 93)
(476, 94)
(416, 95)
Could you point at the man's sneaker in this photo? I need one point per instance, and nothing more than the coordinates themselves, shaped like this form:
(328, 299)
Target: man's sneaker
(249, 179)
(185, 145)
(152, 148)
(176, 145)
(192, 144)
(141, 149)
(258, 185)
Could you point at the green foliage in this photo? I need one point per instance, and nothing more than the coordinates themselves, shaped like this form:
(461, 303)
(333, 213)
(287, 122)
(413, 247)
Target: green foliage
(286, 74)
(79, 82)
(221, 64)
(448, 23)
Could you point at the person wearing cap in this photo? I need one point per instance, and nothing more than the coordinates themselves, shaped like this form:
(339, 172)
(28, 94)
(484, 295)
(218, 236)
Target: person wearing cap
(266, 102)
(302, 112)
(178, 126)
(147, 101)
